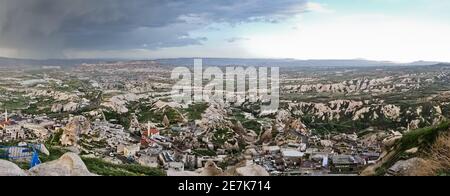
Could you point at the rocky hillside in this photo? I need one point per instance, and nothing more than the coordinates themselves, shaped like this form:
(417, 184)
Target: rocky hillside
(350, 115)
(423, 152)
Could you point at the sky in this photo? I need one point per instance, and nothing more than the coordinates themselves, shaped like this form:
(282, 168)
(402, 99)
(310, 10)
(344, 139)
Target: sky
(394, 30)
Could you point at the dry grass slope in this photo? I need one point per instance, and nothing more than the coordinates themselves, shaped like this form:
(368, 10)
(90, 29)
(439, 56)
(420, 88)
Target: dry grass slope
(438, 160)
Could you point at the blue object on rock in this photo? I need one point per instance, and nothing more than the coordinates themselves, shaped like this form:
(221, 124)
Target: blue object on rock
(35, 159)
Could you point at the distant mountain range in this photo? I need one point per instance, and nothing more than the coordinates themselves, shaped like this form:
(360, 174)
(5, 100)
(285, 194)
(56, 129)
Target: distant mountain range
(221, 62)
(48, 62)
(289, 62)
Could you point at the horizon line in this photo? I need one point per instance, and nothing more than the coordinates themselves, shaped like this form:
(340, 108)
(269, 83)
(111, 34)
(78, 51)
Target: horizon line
(242, 58)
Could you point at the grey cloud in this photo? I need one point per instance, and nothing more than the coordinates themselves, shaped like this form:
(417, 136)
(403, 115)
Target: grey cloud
(43, 28)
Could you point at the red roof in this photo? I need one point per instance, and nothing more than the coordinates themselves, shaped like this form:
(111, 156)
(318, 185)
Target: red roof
(6, 122)
(145, 142)
(153, 131)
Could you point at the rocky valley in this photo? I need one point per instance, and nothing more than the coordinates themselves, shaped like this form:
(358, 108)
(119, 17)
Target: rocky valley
(331, 121)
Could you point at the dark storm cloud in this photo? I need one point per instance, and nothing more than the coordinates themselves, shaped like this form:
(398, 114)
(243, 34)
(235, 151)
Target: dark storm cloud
(46, 27)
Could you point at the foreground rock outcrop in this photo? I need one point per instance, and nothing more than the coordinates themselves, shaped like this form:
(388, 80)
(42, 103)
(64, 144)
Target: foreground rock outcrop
(69, 164)
(405, 167)
(10, 169)
(211, 169)
(252, 170)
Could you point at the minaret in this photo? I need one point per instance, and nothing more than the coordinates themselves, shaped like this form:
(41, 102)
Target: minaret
(148, 129)
(418, 84)
(6, 119)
